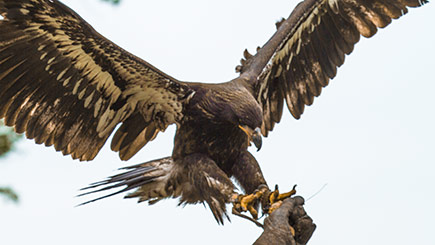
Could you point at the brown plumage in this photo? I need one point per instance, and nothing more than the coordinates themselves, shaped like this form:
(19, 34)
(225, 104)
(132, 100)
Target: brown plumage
(63, 84)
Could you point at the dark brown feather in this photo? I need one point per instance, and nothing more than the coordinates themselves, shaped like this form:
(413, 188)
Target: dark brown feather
(317, 35)
(64, 83)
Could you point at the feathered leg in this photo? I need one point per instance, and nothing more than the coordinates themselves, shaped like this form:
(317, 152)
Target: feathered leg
(248, 174)
(208, 183)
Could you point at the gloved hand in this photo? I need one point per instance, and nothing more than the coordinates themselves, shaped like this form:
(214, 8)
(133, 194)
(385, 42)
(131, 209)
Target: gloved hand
(289, 225)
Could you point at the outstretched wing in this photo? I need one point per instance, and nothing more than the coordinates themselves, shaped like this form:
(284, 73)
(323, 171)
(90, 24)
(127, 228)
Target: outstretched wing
(66, 85)
(315, 39)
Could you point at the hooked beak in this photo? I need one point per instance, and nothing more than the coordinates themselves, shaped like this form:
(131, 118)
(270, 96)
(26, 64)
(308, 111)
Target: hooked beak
(253, 135)
(256, 138)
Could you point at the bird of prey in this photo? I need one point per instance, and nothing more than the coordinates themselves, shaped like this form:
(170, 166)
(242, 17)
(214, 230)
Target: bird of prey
(64, 84)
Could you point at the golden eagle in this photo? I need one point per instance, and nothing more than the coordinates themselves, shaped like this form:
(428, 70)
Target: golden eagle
(63, 84)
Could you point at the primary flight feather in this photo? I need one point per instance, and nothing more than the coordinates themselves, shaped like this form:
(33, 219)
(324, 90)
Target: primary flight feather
(64, 84)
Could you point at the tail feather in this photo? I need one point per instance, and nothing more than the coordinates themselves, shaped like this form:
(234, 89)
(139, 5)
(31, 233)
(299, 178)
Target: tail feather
(118, 180)
(162, 178)
(151, 180)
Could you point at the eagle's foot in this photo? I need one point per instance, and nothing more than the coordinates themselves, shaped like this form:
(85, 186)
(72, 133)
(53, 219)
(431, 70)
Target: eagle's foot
(249, 202)
(275, 199)
(243, 203)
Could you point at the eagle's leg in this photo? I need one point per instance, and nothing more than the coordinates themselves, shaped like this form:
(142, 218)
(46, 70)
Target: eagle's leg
(207, 182)
(248, 174)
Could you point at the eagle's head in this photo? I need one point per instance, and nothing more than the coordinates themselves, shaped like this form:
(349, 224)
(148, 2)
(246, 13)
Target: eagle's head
(250, 118)
(231, 105)
(241, 110)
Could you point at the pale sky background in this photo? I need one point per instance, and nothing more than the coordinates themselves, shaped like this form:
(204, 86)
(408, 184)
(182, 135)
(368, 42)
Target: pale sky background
(369, 136)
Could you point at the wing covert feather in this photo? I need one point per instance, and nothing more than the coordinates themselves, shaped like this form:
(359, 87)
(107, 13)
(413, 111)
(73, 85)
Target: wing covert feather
(63, 84)
(321, 34)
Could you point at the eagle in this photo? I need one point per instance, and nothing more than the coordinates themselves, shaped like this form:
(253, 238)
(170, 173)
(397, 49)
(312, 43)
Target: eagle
(64, 84)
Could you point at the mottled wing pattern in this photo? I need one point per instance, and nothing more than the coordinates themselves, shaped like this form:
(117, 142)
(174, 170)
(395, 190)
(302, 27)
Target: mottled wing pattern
(322, 33)
(66, 85)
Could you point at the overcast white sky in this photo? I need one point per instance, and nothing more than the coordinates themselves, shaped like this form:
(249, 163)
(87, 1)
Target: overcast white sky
(369, 136)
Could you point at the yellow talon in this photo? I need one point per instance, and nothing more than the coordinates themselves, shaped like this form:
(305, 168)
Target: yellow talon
(253, 212)
(275, 199)
(247, 202)
(274, 206)
(274, 195)
(243, 203)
